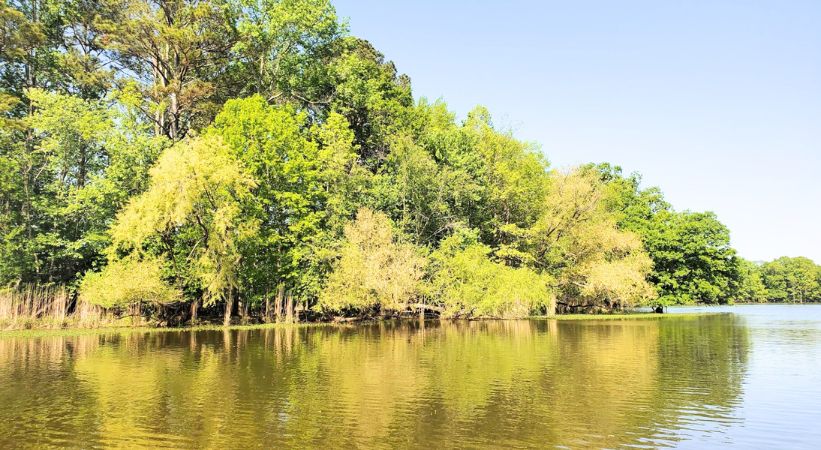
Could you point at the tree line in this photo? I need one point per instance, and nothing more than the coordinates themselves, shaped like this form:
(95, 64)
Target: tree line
(253, 157)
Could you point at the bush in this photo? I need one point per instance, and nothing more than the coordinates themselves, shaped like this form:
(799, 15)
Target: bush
(469, 284)
(128, 281)
(374, 271)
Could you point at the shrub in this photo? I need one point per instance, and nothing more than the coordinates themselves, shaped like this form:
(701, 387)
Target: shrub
(128, 281)
(374, 272)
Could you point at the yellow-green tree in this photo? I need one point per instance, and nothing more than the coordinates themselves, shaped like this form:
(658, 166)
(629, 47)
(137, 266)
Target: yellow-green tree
(191, 217)
(577, 240)
(467, 283)
(375, 273)
(129, 281)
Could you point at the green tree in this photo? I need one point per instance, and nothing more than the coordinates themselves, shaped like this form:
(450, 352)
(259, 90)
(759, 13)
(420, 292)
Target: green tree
(282, 51)
(751, 287)
(442, 173)
(308, 185)
(372, 96)
(90, 156)
(175, 50)
(513, 176)
(791, 279)
(418, 192)
(52, 44)
(70, 156)
(43, 45)
(691, 253)
(694, 261)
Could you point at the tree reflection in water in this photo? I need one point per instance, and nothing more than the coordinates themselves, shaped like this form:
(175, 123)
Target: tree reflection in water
(391, 384)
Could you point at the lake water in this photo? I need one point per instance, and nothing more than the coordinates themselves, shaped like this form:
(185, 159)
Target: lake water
(749, 378)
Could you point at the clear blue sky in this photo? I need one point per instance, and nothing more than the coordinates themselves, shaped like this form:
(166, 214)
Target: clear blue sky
(716, 102)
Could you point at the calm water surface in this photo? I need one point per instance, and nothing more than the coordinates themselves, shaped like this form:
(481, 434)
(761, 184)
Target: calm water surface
(750, 378)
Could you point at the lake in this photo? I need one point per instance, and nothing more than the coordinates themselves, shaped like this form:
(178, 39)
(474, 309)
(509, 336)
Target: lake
(749, 377)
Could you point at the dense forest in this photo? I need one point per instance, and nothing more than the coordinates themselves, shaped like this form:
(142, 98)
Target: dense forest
(252, 158)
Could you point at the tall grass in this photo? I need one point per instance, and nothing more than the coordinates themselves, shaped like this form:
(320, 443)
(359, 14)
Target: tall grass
(48, 307)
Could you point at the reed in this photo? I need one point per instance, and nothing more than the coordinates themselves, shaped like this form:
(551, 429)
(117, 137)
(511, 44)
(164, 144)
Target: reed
(48, 307)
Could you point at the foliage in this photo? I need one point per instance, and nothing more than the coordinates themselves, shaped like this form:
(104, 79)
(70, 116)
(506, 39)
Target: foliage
(174, 51)
(375, 271)
(418, 192)
(307, 185)
(469, 284)
(212, 150)
(86, 162)
(791, 279)
(191, 215)
(595, 264)
(691, 253)
(694, 260)
(128, 281)
(751, 286)
(372, 96)
(281, 49)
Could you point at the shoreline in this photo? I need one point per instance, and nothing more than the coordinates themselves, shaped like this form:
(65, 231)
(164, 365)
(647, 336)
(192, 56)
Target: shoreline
(627, 316)
(70, 332)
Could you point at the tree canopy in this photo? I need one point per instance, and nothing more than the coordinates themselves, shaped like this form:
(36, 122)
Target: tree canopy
(225, 152)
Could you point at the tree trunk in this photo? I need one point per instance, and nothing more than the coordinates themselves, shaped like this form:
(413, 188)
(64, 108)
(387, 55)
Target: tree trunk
(159, 123)
(174, 119)
(137, 315)
(81, 176)
(289, 311)
(280, 302)
(244, 305)
(229, 305)
(267, 306)
(195, 305)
